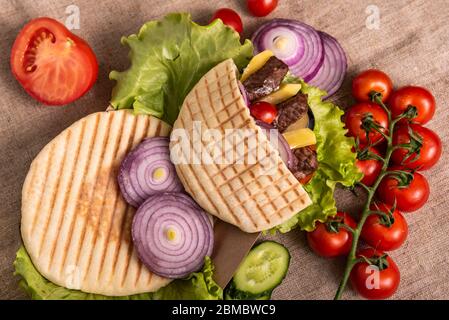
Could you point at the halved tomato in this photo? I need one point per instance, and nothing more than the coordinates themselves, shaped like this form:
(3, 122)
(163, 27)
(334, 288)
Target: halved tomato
(52, 64)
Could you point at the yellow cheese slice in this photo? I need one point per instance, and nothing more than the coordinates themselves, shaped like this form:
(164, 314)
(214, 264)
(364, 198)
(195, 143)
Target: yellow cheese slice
(301, 123)
(256, 63)
(286, 91)
(300, 138)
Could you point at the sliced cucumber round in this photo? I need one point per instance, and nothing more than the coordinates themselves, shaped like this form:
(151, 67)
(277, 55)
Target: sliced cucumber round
(263, 269)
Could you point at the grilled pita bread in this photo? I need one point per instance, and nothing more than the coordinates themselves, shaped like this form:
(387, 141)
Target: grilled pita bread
(248, 195)
(76, 226)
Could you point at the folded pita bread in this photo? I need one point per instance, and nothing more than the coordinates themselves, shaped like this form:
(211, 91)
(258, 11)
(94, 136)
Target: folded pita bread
(75, 225)
(253, 196)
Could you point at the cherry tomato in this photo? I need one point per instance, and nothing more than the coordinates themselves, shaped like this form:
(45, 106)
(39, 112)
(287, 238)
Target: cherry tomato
(375, 283)
(409, 198)
(306, 179)
(263, 111)
(355, 116)
(371, 80)
(429, 153)
(261, 8)
(378, 234)
(229, 18)
(370, 168)
(52, 64)
(419, 97)
(329, 244)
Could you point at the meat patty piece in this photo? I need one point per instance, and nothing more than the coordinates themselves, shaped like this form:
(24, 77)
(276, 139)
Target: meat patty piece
(265, 80)
(291, 110)
(307, 162)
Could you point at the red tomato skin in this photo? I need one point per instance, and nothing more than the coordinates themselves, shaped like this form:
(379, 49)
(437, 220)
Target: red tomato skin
(370, 168)
(419, 97)
(430, 151)
(261, 8)
(330, 245)
(263, 111)
(229, 18)
(382, 237)
(84, 51)
(408, 199)
(389, 278)
(371, 80)
(355, 115)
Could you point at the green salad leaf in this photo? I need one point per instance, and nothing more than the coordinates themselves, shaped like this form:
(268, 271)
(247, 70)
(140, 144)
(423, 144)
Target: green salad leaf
(168, 58)
(198, 285)
(335, 157)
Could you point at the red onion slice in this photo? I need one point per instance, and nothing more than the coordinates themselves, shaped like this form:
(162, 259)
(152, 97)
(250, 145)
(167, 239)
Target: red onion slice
(332, 73)
(147, 170)
(244, 94)
(172, 235)
(282, 146)
(296, 43)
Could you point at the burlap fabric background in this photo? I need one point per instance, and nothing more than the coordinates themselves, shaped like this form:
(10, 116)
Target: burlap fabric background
(411, 44)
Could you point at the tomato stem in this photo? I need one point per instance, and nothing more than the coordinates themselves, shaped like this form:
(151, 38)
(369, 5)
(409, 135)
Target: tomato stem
(352, 259)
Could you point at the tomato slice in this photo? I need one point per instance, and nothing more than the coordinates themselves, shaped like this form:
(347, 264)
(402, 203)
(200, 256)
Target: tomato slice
(52, 64)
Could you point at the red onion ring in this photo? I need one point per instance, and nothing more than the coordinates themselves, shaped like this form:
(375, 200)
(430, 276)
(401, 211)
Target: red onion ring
(302, 49)
(137, 176)
(332, 73)
(283, 148)
(172, 235)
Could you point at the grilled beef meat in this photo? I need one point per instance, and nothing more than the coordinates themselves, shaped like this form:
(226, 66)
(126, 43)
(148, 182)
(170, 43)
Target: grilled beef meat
(265, 80)
(306, 163)
(291, 110)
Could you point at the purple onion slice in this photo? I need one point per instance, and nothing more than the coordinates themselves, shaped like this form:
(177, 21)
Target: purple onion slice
(332, 73)
(147, 170)
(296, 43)
(282, 145)
(244, 94)
(172, 235)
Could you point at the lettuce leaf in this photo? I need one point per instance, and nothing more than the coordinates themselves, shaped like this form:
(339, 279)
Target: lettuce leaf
(335, 157)
(168, 58)
(198, 285)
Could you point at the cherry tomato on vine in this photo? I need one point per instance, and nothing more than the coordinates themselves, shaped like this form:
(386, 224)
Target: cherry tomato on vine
(385, 234)
(375, 281)
(429, 153)
(408, 198)
(52, 64)
(370, 168)
(354, 120)
(229, 18)
(418, 97)
(371, 80)
(261, 8)
(330, 240)
(263, 111)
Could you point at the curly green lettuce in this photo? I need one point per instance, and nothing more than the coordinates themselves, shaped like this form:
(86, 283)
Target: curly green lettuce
(168, 58)
(198, 285)
(335, 157)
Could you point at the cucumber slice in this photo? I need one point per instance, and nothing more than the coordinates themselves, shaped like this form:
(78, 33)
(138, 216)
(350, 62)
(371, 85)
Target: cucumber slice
(263, 269)
(231, 293)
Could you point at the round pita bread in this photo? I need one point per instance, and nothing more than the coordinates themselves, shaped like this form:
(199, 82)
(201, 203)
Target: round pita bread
(75, 225)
